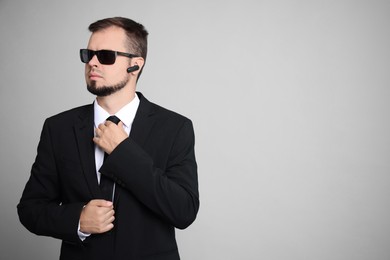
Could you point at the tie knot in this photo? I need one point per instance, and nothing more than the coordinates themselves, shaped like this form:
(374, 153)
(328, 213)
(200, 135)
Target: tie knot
(113, 119)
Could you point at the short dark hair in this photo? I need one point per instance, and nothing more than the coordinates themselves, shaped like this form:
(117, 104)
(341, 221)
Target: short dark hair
(137, 35)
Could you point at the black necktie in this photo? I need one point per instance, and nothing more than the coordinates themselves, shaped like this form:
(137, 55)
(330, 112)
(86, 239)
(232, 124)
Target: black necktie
(106, 184)
(113, 119)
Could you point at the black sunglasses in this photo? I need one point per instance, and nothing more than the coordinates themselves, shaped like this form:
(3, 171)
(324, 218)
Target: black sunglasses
(105, 57)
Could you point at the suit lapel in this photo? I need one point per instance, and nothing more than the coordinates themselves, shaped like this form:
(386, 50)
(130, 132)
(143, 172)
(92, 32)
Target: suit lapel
(84, 131)
(143, 121)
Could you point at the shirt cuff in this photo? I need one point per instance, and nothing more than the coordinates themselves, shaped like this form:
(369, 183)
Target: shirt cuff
(82, 235)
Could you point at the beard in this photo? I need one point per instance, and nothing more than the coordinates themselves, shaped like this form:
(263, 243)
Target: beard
(104, 91)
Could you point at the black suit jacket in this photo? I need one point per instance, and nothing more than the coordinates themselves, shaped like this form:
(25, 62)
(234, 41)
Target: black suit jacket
(156, 184)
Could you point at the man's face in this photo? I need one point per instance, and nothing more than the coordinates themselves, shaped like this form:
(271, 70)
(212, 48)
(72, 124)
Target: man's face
(103, 80)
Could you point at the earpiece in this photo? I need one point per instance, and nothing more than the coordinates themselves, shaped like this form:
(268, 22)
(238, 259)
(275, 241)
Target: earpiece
(133, 68)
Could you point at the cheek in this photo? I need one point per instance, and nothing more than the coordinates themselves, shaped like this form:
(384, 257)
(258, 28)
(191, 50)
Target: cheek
(122, 65)
(87, 69)
(86, 72)
(120, 73)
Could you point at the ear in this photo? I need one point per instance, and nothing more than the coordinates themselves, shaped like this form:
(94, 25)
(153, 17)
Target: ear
(139, 61)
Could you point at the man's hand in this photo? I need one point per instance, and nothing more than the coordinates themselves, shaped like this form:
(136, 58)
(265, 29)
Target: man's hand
(97, 217)
(109, 136)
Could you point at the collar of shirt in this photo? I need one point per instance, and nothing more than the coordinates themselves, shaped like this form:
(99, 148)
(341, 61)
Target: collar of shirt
(126, 114)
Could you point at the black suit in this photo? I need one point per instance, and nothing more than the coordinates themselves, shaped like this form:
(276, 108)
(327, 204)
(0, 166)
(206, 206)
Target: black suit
(156, 184)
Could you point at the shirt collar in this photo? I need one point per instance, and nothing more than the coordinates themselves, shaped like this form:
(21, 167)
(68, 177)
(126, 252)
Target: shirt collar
(126, 114)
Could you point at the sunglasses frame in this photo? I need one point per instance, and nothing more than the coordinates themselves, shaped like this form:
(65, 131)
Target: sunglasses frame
(100, 55)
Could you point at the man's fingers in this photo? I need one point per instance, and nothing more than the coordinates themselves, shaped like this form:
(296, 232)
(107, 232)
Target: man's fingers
(109, 218)
(100, 203)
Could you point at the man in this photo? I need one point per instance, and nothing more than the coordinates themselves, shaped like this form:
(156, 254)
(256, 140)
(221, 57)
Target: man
(145, 162)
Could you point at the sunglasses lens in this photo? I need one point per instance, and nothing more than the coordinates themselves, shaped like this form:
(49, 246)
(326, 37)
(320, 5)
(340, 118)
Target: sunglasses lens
(85, 55)
(106, 57)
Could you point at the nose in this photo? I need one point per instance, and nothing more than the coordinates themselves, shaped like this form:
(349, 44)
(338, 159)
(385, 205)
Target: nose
(94, 61)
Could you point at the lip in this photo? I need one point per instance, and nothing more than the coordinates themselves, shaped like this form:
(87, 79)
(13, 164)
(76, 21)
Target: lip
(94, 76)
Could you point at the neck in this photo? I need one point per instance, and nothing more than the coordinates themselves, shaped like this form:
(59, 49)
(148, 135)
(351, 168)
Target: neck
(114, 102)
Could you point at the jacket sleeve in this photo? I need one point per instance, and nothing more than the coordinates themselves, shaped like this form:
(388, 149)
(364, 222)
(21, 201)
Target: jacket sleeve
(40, 208)
(171, 191)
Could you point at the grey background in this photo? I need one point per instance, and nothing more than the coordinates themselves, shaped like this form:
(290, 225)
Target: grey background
(290, 102)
